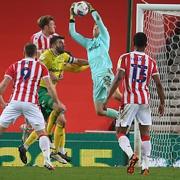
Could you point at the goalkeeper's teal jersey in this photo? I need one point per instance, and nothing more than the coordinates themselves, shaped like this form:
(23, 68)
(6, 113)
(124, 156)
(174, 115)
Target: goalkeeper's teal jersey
(97, 48)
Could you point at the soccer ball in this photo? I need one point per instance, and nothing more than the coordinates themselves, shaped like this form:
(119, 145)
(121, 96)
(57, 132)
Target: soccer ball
(81, 8)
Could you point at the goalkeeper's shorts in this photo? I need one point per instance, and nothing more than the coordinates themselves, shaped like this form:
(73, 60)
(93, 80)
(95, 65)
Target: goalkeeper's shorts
(101, 83)
(46, 102)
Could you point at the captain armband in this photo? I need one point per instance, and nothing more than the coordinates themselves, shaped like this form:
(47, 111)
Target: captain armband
(72, 60)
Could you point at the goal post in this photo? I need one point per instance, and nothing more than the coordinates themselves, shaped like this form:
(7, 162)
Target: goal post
(161, 23)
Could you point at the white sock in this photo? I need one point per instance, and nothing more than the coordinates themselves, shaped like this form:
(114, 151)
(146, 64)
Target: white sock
(26, 146)
(62, 150)
(125, 146)
(44, 145)
(146, 152)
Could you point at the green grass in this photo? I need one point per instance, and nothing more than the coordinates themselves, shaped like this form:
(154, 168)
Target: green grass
(79, 173)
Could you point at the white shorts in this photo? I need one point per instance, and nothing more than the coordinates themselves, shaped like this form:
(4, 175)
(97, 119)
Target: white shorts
(29, 110)
(140, 112)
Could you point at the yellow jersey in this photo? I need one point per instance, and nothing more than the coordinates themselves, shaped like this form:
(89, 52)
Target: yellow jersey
(58, 64)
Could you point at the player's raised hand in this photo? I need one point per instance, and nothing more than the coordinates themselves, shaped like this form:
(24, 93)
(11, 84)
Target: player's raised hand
(161, 109)
(72, 10)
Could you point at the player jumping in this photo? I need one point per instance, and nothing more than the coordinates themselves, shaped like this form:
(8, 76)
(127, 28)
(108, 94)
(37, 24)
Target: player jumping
(99, 61)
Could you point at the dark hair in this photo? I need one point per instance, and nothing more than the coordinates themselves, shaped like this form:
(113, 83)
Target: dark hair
(30, 49)
(140, 39)
(54, 38)
(44, 20)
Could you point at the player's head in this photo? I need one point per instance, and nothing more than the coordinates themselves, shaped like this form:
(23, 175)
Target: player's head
(95, 30)
(140, 40)
(47, 24)
(30, 50)
(57, 43)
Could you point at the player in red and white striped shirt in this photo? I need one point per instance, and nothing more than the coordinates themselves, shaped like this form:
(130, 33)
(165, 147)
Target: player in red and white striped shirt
(136, 69)
(42, 38)
(26, 75)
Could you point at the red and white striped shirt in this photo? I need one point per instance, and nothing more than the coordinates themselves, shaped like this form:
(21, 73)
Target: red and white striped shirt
(26, 75)
(138, 68)
(41, 41)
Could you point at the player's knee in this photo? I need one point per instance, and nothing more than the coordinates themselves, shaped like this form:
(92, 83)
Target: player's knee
(145, 137)
(99, 113)
(58, 109)
(120, 134)
(41, 133)
(61, 121)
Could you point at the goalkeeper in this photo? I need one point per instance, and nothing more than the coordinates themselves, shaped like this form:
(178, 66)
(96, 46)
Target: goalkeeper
(57, 61)
(99, 61)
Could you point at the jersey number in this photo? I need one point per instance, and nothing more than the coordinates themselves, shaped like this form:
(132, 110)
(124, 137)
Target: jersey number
(25, 73)
(142, 73)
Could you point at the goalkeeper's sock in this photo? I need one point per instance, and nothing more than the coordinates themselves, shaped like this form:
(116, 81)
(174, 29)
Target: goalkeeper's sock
(31, 139)
(51, 121)
(112, 113)
(146, 152)
(125, 144)
(58, 132)
(62, 142)
(44, 145)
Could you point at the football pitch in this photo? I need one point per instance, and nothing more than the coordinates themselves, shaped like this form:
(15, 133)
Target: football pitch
(85, 173)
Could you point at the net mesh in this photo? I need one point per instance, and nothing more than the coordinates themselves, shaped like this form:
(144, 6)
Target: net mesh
(163, 32)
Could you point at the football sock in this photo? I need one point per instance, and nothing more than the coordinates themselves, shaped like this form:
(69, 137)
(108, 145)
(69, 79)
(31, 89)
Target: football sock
(112, 113)
(44, 145)
(125, 145)
(58, 132)
(51, 121)
(146, 152)
(62, 142)
(31, 139)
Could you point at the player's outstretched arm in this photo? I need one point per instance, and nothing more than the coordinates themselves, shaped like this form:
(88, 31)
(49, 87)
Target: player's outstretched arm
(78, 61)
(75, 68)
(160, 92)
(72, 30)
(98, 20)
(76, 64)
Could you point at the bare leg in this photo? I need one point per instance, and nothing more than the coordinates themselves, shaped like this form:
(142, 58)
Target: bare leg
(117, 95)
(101, 111)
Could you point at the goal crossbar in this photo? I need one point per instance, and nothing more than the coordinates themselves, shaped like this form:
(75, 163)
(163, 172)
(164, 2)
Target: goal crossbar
(155, 7)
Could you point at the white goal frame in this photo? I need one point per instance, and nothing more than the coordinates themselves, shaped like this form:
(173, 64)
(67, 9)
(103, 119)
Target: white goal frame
(139, 28)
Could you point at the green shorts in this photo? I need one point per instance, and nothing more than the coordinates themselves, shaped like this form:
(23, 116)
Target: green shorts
(101, 83)
(46, 102)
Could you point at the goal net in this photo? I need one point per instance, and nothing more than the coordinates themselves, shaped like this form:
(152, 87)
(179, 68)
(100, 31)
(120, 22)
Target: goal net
(161, 23)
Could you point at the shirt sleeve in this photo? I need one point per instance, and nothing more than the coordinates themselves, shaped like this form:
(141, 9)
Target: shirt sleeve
(10, 72)
(67, 58)
(155, 69)
(76, 36)
(34, 40)
(45, 60)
